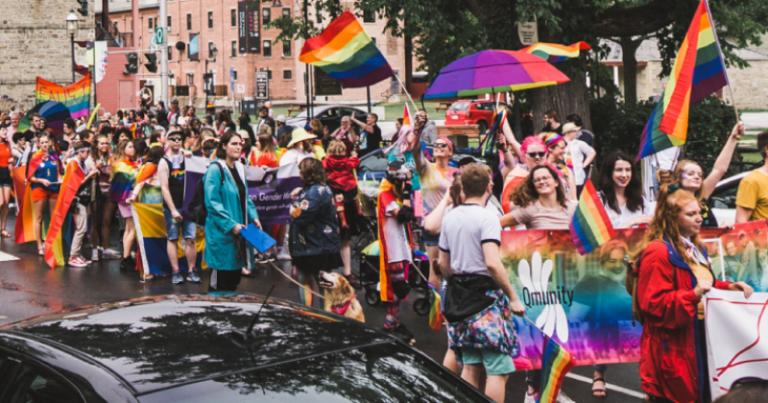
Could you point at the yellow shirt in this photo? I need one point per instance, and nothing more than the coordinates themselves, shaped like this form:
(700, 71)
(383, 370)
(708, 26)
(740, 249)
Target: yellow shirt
(753, 195)
(702, 273)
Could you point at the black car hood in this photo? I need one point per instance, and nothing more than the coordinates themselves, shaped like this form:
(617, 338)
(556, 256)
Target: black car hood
(160, 342)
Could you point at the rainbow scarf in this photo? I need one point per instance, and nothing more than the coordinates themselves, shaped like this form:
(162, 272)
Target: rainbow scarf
(553, 52)
(150, 193)
(345, 52)
(590, 227)
(556, 363)
(698, 72)
(121, 182)
(54, 250)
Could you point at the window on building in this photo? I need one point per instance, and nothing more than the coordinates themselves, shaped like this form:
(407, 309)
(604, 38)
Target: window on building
(234, 75)
(369, 16)
(150, 24)
(169, 23)
(170, 52)
(189, 22)
(269, 74)
(234, 49)
(287, 12)
(233, 17)
(210, 50)
(190, 79)
(266, 15)
(286, 48)
(156, 22)
(267, 48)
(287, 75)
(210, 19)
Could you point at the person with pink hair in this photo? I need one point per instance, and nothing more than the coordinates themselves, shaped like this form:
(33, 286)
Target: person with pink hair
(533, 152)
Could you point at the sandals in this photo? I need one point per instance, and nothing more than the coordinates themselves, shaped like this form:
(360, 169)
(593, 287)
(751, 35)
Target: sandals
(5, 234)
(599, 390)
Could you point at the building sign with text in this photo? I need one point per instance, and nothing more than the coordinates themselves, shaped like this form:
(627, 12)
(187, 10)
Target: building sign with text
(249, 27)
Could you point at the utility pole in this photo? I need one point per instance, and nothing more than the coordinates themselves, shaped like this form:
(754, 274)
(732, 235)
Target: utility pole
(164, 52)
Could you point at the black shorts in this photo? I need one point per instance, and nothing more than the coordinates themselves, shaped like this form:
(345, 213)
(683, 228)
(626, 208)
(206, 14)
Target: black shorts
(5, 177)
(350, 213)
(314, 264)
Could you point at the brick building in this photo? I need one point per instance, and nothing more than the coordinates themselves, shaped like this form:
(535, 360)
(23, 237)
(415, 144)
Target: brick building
(34, 42)
(216, 24)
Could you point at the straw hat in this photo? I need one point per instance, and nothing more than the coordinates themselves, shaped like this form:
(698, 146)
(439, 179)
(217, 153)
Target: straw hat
(299, 135)
(570, 127)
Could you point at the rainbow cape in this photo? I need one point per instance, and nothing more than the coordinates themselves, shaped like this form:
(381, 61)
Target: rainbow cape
(590, 226)
(553, 52)
(699, 71)
(54, 250)
(345, 52)
(25, 226)
(123, 174)
(151, 239)
(76, 97)
(556, 362)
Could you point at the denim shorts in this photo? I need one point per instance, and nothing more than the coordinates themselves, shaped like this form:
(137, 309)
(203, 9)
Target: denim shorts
(431, 239)
(188, 228)
(495, 363)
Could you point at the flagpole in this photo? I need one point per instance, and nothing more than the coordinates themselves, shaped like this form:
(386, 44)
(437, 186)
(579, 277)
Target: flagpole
(416, 108)
(722, 62)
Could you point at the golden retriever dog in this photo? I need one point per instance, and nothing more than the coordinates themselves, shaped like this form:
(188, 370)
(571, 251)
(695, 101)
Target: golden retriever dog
(340, 297)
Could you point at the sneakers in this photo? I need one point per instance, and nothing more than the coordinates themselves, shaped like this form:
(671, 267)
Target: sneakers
(109, 254)
(127, 264)
(261, 258)
(95, 255)
(353, 282)
(530, 397)
(400, 331)
(270, 256)
(177, 278)
(282, 254)
(193, 277)
(77, 261)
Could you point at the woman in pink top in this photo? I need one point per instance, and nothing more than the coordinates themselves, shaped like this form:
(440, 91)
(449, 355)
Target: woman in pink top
(540, 203)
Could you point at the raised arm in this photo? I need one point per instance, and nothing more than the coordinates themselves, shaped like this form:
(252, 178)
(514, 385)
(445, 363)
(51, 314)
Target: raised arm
(723, 161)
(511, 140)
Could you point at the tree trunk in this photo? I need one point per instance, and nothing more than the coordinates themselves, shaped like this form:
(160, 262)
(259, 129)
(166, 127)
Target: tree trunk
(568, 98)
(628, 49)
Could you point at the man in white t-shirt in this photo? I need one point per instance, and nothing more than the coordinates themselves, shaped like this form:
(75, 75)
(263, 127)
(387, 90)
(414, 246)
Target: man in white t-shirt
(469, 257)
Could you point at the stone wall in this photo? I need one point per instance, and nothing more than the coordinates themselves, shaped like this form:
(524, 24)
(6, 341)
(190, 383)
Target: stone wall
(34, 42)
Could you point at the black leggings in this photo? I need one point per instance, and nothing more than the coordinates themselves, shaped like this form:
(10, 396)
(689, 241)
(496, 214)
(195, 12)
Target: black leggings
(224, 280)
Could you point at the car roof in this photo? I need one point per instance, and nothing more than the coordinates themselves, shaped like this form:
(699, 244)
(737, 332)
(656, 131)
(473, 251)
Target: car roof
(158, 343)
(323, 108)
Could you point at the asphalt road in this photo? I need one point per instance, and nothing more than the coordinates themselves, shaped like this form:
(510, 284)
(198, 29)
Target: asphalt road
(29, 288)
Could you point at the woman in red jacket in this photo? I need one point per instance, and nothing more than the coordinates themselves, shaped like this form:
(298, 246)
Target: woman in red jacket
(673, 274)
(341, 179)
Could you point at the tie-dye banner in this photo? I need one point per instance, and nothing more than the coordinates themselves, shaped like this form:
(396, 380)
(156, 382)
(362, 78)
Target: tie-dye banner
(76, 97)
(581, 301)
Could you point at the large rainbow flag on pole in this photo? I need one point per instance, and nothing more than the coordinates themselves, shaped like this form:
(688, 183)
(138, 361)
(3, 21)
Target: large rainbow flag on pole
(590, 226)
(699, 71)
(554, 52)
(54, 249)
(556, 362)
(345, 52)
(76, 97)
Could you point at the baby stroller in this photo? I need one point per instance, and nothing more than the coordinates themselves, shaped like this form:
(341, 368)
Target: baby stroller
(417, 273)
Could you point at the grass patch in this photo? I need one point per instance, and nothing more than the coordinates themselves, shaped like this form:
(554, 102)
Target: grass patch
(752, 157)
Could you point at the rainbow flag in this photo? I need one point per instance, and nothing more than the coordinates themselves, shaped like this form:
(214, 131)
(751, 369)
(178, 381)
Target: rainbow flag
(152, 241)
(345, 52)
(699, 71)
(76, 97)
(435, 311)
(590, 226)
(555, 363)
(25, 220)
(553, 52)
(123, 175)
(54, 250)
(406, 115)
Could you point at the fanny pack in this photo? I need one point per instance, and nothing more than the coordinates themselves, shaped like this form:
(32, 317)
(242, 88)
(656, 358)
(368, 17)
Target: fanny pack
(465, 296)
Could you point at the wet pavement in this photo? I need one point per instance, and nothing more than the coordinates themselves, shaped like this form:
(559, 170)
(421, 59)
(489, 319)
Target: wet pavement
(28, 287)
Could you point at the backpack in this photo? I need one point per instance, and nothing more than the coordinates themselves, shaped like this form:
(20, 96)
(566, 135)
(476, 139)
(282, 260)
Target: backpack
(197, 208)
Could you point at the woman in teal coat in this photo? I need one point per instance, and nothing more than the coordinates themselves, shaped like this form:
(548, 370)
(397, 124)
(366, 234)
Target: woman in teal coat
(229, 210)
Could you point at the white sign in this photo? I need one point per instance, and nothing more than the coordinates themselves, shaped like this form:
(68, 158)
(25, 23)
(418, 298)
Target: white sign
(241, 88)
(528, 32)
(735, 346)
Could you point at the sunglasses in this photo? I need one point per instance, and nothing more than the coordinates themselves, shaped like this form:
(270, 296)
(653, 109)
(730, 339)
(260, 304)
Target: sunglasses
(537, 155)
(174, 138)
(441, 145)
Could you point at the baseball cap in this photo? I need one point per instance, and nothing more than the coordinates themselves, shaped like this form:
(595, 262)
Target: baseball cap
(281, 119)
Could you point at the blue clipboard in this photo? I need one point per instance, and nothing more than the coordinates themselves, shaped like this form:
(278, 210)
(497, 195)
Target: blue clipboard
(258, 238)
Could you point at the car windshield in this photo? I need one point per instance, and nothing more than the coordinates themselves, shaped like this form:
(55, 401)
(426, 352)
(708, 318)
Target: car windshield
(459, 106)
(378, 373)
(376, 162)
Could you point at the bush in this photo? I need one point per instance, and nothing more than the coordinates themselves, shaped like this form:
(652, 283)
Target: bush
(618, 126)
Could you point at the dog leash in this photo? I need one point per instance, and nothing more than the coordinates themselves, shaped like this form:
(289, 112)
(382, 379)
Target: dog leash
(279, 270)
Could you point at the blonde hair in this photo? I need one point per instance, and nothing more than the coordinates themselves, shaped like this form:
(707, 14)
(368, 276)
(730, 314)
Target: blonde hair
(265, 130)
(317, 126)
(337, 148)
(677, 176)
(664, 222)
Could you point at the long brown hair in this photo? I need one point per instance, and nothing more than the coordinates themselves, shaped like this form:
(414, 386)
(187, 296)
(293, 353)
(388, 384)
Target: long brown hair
(526, 193)
(266, 143)
(312, 172)
(220, 152)
(664, 222)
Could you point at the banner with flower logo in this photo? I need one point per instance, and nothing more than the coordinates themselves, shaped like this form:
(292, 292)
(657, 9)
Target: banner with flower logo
(582, 302)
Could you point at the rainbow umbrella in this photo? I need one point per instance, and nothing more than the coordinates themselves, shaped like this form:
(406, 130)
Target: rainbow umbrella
(494, 71)
(54, 113)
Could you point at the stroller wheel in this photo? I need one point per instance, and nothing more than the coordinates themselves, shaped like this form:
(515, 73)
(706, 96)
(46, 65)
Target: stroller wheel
(421, 306)
(372, 297)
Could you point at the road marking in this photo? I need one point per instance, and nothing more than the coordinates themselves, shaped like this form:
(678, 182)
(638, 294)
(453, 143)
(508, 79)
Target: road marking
(608, 386)
(4, 257)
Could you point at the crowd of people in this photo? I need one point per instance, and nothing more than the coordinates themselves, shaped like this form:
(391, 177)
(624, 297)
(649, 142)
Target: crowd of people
(139, 156)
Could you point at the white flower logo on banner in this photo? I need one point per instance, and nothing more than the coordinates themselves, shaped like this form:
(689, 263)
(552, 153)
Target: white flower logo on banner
(552, 319)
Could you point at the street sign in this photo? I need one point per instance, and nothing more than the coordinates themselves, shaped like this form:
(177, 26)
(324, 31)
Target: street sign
(231, 79)
(262, 85)
(241, 88)
(325, 85)
(159, 36)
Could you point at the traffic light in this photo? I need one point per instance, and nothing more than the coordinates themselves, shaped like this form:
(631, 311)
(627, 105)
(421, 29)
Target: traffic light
(133, 64)
(208, 83)
(152, 65)
(83, 10)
